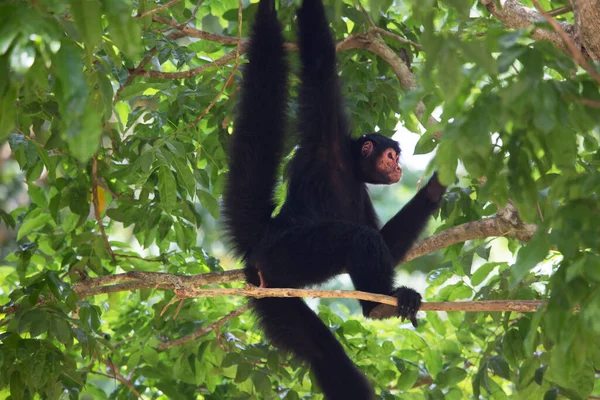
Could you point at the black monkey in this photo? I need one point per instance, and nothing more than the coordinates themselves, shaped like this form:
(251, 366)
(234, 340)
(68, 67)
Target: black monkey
(327, 224)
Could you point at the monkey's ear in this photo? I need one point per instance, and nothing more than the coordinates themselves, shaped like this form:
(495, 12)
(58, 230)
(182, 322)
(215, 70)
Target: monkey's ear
(366, 149)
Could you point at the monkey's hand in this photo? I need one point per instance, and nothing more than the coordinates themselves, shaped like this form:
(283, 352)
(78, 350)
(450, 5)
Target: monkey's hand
(409, 302)
(435, 189)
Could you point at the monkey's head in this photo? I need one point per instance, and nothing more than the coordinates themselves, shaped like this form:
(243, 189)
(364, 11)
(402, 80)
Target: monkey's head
(378, 158)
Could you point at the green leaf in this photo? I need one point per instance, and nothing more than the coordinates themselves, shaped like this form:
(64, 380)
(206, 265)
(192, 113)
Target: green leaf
(433, 361)
(185, 176)
(499, 366)
(261, 382)
(243, 372)
(22, 56)
(9, 221)
(37, 195)
(438, 325)
(209, 203)
(481, 273)
(34, 221)
(150, 355)
(124, 30)
(451, 376)
(80, 120)
(529, 256)
(167, 188)
(551, 394)
(87, 16)
(61, 290)
(407, 379)
(7, 111)
(9, 28)
(89, 317)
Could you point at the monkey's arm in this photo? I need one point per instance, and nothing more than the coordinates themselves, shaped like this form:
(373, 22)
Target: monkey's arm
(400, 232)
(321, 117)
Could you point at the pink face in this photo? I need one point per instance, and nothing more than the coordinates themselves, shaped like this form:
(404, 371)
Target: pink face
(388, 164)
(386, 168)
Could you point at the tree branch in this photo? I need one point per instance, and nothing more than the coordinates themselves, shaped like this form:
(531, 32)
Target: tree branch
(506, 223)
(207, 329)
(516, 16)
(157, 9)
(575, 52)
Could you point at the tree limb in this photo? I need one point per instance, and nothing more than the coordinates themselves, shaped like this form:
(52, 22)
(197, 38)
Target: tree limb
(575, 52)
(516, 16)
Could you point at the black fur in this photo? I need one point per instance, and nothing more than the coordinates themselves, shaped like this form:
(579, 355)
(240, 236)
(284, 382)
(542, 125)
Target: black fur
(327, 224)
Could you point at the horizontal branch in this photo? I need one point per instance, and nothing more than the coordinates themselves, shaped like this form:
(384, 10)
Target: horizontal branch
(507, 223)
(256, 292)
(219, 62)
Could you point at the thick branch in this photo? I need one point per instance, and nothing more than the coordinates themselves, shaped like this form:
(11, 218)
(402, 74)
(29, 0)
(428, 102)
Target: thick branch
(575, 52)
(516, 16)
(589, 18)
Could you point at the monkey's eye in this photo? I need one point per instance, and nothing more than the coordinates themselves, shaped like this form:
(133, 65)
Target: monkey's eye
(390, 156)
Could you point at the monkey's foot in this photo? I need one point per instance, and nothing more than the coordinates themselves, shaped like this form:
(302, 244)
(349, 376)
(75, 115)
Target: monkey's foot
(409, 302)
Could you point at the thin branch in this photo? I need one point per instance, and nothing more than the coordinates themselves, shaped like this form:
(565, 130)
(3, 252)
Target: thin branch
(575, 52)
(367, 15)
(590, 103)
(396, 37)
(120, 377)
(97, 207)
(157, 9)
(256, 292)
(133, 74)
(560, 10)
(196, 33)
(203, 331)
(191, 72)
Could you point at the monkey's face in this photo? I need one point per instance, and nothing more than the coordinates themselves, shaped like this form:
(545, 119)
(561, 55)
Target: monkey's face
(379, 164)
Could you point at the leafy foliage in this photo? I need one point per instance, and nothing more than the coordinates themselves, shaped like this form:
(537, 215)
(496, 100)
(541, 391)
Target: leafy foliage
(119, 125)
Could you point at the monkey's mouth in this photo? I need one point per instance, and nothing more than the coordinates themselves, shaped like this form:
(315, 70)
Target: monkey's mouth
(396, 176)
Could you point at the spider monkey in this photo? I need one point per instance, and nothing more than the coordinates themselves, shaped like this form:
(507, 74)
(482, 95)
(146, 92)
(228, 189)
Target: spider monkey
(327, 224)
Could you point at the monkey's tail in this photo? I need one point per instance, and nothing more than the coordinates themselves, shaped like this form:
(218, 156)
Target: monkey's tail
(293, 327)
(257, 140)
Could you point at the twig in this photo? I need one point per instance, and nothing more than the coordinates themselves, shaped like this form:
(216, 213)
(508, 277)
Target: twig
(575, 52)
(97, 207)
(191, 72)
(560, 10)
(366, 14)
(157, 9)
(133, 74)
(169, 304)
(178, 309)
(119, 377)
(203, 331)
(590, 103)
(197, 33)
(395, 37)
